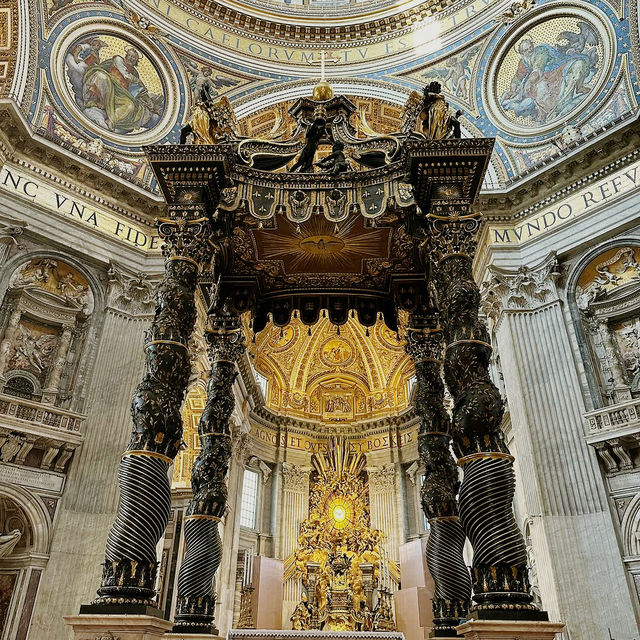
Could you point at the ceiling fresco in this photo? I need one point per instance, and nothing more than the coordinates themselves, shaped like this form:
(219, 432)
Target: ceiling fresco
(319, 374)
(102, 79)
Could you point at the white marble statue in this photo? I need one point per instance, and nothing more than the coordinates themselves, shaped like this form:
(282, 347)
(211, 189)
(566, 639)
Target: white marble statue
(8, 542)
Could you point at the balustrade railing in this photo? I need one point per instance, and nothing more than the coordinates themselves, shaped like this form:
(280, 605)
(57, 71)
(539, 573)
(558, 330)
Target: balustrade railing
(613, 421)
(14, 409)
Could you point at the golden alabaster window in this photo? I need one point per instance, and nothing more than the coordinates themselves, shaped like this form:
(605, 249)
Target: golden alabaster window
(249, 499)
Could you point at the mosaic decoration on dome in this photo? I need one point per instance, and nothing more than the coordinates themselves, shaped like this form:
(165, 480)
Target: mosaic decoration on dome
(455, 73)
(550, 71)
(315, 373)
(553, 64)
(114, 84)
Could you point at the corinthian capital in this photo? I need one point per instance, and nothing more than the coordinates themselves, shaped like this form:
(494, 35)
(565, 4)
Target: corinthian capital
(129, 292)
(382, 478)
(525, 289)
(186, 233)
(294, 478)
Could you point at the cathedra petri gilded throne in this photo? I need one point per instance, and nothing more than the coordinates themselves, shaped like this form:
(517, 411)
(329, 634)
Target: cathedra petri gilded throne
(340, 559)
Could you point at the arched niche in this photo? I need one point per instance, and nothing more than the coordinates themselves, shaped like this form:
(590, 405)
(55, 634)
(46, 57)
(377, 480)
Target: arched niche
(44, 324)
(604, 295)
(22, 563)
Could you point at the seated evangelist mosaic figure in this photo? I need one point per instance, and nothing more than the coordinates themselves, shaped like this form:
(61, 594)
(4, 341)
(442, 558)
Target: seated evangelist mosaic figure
(111, 92)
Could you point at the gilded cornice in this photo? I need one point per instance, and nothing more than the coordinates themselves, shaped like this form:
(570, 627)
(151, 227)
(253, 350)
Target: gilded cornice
(266, 418)
(277, 29)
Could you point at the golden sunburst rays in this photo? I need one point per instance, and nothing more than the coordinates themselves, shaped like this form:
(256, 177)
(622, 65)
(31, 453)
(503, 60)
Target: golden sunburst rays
(340, 460)
(320, 246)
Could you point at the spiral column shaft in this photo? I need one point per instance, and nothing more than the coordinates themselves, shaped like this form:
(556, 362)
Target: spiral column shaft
(130, 566)
(445, 559)
(500, 581)
(196, 601)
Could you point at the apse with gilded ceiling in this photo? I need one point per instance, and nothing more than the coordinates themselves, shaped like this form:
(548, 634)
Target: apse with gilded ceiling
(355, 374)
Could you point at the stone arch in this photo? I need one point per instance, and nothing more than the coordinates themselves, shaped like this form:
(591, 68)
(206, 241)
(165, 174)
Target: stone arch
(630, 529)
(20, 373)
(11, 267)
(37, 517)
(576, 302)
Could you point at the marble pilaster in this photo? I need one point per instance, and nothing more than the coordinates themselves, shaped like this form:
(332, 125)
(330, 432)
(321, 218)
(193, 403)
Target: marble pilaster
(562, 488)
(383, 502)
(295, 506)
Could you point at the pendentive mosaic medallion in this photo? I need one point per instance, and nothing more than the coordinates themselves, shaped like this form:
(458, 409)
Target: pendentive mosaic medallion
(548, 71)
(114, 84)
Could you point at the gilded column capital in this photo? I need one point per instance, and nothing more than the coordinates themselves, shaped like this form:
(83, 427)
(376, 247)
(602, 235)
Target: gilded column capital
(453, 232)
(425, 345)
(186, 233)
(524, 289)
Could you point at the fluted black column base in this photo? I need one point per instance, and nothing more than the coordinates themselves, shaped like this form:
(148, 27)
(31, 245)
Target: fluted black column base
(447, 615)
(195, 615)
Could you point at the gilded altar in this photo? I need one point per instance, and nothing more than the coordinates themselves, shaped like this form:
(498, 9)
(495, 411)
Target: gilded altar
(340, 559)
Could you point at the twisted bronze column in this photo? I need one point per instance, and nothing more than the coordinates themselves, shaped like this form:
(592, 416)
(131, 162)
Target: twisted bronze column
(500, 580)
(446, 538)
(130, 566)
(196, 600)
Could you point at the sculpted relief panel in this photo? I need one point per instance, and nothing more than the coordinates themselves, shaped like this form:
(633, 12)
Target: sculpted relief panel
(607, 296)
(58, 279)
(47, 309)
(33, 349)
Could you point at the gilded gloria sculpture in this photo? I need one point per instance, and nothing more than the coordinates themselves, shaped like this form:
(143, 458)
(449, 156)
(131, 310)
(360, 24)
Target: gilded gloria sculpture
(339, 556)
